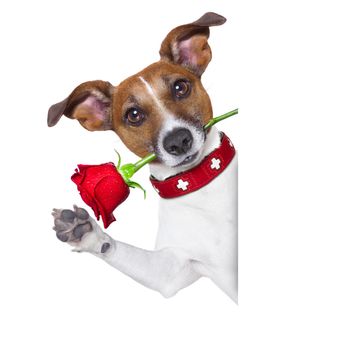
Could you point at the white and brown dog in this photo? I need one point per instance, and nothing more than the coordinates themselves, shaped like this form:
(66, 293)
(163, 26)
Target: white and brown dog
(163, 109)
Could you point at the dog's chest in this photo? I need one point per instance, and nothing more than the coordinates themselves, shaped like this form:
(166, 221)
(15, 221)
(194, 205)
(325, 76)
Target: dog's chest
(203, 222)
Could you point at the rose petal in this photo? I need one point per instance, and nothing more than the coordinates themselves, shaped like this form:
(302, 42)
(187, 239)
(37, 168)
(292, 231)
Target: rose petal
(77, 178)
(90, 202)
(102, 188)
(110, 192)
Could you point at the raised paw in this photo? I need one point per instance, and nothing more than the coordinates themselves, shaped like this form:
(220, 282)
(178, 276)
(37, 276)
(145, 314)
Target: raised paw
(77, 228)
(70, 226)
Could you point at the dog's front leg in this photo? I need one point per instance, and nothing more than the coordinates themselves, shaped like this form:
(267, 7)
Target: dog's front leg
(167, 270)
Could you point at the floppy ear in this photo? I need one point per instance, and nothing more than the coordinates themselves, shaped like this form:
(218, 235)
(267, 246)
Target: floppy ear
(89, 103)
(188, 46)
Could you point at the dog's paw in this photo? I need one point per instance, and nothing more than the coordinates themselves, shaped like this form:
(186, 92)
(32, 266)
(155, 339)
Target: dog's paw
(80, 230)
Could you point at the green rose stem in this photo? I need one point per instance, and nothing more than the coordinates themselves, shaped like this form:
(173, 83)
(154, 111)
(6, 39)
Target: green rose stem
(215, 120)
(128, 170)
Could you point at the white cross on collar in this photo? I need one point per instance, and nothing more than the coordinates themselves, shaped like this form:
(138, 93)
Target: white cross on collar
(182, 185)
(215, 163)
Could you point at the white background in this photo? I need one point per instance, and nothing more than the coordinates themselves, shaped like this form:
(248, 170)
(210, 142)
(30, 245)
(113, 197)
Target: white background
(286, 66)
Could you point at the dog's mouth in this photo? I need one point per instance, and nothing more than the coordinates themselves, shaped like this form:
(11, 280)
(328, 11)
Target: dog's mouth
(188, 160)
(178, 160)
(179, 143)
(175, 161)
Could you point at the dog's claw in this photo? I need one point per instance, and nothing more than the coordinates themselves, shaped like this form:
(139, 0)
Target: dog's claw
(56, 213)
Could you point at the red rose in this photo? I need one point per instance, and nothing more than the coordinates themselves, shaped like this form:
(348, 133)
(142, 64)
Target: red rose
(101, 187)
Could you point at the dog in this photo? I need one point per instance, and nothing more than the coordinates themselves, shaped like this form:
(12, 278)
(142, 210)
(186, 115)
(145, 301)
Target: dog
(163, 109)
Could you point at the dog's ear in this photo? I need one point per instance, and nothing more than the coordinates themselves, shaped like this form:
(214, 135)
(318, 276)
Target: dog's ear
(89, 103)
(188, 46)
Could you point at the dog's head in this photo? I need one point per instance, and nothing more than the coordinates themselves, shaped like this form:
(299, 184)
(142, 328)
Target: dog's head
(161, 109)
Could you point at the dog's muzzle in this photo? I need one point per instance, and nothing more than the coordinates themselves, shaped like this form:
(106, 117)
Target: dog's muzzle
(178, 142)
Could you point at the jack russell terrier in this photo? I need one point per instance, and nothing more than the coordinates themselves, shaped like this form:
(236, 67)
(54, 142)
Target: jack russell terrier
(163, 109)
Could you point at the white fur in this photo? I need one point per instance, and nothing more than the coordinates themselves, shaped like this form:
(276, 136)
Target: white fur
(161, 172)
(197, 236)
(170, 122)
(154, 97)
(168, 125)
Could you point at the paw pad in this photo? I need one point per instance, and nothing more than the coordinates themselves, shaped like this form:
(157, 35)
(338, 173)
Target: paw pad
(71, 226)
(62, 236)
(67, 215)
(80, 230)
(105, 247)
(81, 213)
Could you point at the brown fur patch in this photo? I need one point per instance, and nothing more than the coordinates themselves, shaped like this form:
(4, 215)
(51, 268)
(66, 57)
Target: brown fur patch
(200, 51)
(132, 92)
(185, 53)
(70, 106)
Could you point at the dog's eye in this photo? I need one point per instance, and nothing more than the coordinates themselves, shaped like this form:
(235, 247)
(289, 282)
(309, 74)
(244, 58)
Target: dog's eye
(181, 88)
(134, 116)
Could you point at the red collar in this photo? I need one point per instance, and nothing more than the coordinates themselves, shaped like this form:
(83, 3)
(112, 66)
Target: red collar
(199, 176)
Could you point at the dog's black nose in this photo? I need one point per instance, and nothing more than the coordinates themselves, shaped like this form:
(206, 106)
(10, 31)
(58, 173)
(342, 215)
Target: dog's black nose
(178, 142)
